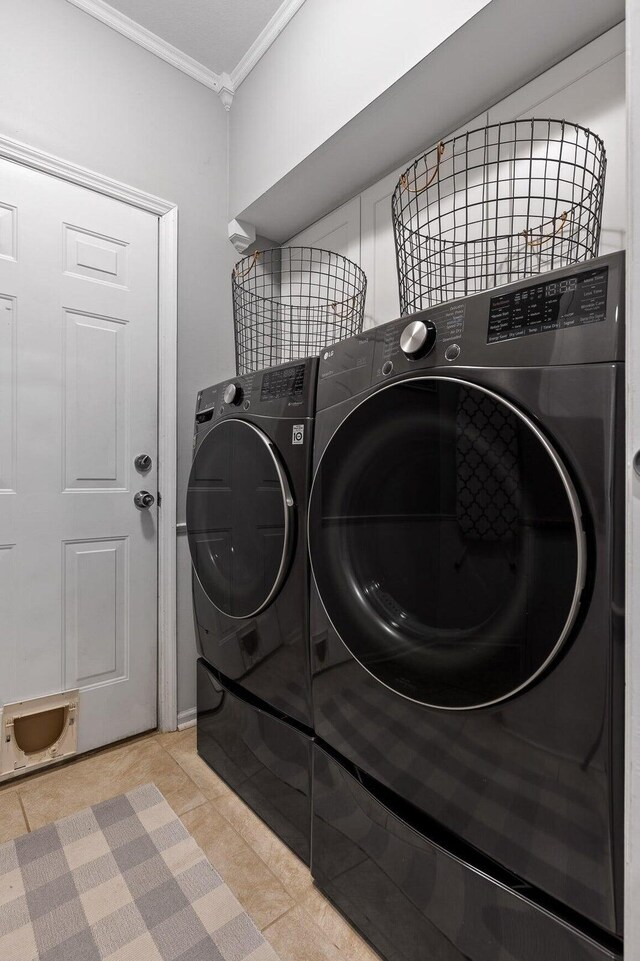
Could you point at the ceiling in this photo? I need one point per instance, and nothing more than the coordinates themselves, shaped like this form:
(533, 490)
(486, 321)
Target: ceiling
(216, 33)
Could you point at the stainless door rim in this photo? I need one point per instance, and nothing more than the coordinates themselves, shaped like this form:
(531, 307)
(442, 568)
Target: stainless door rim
(576, 512)
(288, 505)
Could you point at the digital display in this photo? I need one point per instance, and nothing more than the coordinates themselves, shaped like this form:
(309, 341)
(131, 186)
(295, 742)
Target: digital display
(568, 302)
(284, 382)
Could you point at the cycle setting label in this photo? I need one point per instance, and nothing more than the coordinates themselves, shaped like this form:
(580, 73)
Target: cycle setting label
(557, 304)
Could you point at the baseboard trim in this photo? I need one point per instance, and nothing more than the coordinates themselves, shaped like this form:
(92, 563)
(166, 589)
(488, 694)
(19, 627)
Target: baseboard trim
(187, 719)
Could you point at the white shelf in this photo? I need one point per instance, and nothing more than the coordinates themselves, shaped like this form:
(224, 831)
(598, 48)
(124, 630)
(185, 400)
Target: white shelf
(507, 44)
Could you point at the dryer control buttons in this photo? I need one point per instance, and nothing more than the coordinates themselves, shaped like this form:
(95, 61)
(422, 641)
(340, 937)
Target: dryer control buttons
(232, 394)
(417, 339)
(387, 367)
(452, 352)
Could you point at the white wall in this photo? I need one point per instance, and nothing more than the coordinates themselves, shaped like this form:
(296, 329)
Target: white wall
(72, 86)
(334, 58)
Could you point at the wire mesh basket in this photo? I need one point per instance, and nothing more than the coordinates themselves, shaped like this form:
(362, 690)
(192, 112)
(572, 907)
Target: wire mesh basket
(494, 205)
(290, 302)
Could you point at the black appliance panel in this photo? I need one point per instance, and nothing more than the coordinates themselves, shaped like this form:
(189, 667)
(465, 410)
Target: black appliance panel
(265, 760)
(412, 899)
(534, 781)
(268, 653)
(352, 366)
(446, 542)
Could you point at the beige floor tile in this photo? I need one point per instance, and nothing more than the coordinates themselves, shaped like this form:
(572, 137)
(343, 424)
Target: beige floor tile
(12, 823)
(295, 937)
(182, 748)
(336, 927)
(170, 739)
(290, 870)
(25, 781)
(104, 775)
(258, 890)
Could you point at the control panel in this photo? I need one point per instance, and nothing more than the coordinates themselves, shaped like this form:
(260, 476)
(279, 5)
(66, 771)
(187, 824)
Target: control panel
(432, 336)
(284, 391)
(283, 382)
(570, 301)
(577, 311)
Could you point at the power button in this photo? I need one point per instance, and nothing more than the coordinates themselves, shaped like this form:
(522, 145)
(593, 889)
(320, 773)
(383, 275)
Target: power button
(452, 352)
(387, 367)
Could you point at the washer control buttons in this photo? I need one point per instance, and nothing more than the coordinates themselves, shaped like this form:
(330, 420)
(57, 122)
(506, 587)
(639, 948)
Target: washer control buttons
(417, 339)
(246, 405)
(387, 367)
(452, 352)
(232, 394)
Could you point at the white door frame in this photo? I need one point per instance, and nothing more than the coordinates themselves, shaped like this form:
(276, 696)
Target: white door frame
(167, 214)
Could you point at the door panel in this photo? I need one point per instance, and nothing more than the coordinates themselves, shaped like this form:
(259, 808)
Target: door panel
(378, 244)
(379, 252)
(588, 88)
(95, 621)
(96, 401)
(8, 231)
(8, 383)
(87, 254)
(78, 385)
(8, 645)
(338, 231)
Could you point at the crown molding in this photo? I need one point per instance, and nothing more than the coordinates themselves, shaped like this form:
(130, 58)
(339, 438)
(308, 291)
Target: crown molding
(150, 41)
(241, 234)
(226, 90)
(225, 85)
(263, 41)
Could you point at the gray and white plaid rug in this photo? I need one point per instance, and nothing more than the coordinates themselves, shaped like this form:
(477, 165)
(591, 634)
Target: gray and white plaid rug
(120, 881)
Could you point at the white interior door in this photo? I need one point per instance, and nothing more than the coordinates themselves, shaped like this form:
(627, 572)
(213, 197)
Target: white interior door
(78, 402)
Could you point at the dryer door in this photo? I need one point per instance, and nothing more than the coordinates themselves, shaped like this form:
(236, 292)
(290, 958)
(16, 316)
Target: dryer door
(446, 542)
(239, 518)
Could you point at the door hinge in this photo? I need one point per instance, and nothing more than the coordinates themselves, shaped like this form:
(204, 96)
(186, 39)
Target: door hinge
(159, 499)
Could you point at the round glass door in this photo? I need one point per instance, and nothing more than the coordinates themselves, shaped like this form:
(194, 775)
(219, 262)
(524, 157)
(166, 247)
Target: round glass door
(239, 518)
(446, 543)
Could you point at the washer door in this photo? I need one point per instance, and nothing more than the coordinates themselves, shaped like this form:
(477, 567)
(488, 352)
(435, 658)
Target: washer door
(446, 542)
(239, 518)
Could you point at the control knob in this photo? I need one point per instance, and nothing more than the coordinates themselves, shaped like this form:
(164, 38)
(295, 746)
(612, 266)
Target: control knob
(417, 339)
(232, 394)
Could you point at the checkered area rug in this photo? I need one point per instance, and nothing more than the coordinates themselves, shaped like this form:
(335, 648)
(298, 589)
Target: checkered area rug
(120, 881)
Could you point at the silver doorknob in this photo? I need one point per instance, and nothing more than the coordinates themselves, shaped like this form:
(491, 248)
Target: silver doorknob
(143, 500)
(143, 463)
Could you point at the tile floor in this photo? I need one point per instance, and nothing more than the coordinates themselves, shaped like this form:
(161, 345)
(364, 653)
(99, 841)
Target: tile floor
(274, 887)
